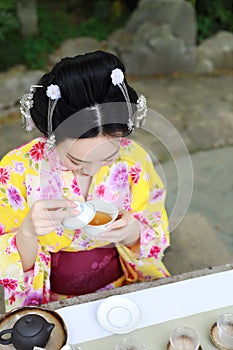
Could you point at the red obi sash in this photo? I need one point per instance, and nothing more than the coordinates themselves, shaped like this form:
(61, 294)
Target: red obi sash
(77, 273)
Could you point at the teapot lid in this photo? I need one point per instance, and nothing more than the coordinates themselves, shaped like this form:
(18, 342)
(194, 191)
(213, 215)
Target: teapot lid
(29, 325)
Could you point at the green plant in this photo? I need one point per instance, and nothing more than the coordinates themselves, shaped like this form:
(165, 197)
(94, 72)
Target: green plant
(58, 21)
(212, 16)
(8, 20)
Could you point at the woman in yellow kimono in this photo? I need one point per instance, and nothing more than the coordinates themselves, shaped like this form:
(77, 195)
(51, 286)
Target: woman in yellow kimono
(84, 108)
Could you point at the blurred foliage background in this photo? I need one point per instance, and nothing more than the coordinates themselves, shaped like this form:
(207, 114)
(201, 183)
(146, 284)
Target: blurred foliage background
(57, 20)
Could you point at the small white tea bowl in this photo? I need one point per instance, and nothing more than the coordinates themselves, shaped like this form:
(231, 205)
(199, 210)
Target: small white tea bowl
(87, 213)
(105, 207)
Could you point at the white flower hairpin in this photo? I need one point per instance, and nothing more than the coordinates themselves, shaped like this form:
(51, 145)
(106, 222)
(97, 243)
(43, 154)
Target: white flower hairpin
(117, 76)
(54, 93)
(118, 79)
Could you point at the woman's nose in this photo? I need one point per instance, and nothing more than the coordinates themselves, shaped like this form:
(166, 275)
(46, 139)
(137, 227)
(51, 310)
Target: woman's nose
(90, 169)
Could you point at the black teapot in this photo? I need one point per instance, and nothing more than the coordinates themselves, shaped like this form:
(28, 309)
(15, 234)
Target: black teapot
(29, 331)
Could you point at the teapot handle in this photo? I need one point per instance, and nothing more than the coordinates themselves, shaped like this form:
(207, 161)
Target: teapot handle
(6, 341)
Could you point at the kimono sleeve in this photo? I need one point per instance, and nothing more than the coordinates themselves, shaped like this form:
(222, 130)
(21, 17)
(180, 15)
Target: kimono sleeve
(13, 209)
(148, 206)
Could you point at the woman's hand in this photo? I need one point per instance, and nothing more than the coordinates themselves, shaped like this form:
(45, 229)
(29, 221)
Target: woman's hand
(45, 215)
(125, 229)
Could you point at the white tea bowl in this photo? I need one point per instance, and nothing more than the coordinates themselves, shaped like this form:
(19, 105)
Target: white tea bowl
(103, 207)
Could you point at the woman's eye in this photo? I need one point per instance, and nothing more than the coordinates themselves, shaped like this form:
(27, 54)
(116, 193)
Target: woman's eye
(74, 162)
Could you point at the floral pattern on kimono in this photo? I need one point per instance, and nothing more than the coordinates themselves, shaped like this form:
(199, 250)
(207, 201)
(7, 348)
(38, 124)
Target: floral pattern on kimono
(30, 173)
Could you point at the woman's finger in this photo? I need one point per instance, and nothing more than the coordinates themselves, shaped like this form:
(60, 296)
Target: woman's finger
(120, 223)
(62, 213)
(114, 236)
(55, 204)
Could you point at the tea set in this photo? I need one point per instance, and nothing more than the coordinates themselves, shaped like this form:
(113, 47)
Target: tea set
(33, 328)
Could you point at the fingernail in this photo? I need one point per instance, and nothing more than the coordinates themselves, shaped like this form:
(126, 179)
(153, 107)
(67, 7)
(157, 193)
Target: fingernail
(75, 212)
(72, 204)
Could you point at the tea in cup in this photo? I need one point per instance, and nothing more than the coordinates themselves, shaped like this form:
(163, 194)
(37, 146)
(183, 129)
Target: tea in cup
(105, 213)
(100, 218)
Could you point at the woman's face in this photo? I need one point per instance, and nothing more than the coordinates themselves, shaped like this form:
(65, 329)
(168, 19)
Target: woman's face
(86, 156)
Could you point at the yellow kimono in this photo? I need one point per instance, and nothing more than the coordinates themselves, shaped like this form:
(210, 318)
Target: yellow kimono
(30, 173)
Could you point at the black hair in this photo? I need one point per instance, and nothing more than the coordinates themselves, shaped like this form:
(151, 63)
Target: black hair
(86, 86)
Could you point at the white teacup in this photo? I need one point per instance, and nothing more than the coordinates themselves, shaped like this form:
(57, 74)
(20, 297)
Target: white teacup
(105, 213)
(94, 216)
(184, 338)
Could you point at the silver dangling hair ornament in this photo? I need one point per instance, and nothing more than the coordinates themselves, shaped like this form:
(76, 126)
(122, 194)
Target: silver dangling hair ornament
(118, 79)
(26, 103)
(141, 112)
(54, 93)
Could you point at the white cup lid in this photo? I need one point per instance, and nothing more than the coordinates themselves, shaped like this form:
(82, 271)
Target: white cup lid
(87, 212)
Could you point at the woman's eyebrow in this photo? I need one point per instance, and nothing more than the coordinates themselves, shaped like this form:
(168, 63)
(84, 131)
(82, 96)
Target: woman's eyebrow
(84, 161)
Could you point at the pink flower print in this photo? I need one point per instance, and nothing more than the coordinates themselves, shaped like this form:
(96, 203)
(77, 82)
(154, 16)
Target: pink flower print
(134, 173)
(147, 236)
(44, 258)
(141, 218)
(125, 142)
(34, 298)
(8, 251)
(12, 242)
(9, 283)
(12, 299)
(4, 176)
(14, 198)
(51, 188)
(118, 178)
(19, 168)
(29, 189)
(157, 216)
(157, 195)
(106, 192)
(154, 251)
(75, 187)
(2, 229)
(37, 151)
(100, 190)
(77, 233)
(164, 239)
(127, 202)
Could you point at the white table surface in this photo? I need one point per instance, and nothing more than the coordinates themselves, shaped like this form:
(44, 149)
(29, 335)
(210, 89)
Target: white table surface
(171, 301)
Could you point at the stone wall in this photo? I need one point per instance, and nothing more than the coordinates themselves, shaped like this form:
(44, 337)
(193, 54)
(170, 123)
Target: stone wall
(215, 53)
(159, 38)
